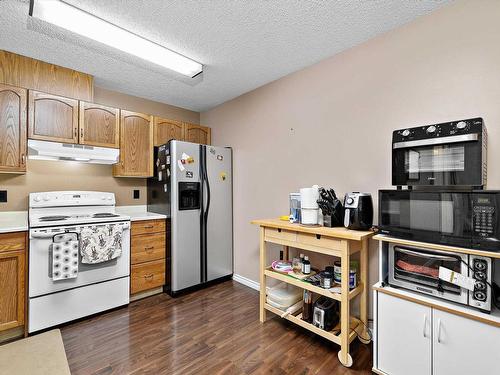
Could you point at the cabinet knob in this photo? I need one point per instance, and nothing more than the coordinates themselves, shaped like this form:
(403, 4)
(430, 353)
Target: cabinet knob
(23, 159)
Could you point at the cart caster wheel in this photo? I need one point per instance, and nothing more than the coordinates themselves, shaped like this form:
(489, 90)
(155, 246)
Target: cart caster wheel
(364, 340)
(349, 359)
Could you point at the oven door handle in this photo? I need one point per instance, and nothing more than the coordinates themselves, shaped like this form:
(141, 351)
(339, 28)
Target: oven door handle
(45, 235)
(433, 256)
(437, 141)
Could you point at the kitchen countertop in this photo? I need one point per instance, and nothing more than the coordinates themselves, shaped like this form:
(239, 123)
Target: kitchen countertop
(13, 221)
(138, 213)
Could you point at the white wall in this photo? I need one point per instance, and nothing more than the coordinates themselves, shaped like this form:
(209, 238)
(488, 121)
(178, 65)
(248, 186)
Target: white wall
(331, 123)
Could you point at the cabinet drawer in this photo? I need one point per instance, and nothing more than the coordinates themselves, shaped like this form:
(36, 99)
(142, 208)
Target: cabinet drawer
(319, 241)
(281, 234)
(146, 248)
(12, 241)
(146, 276)
(148, 226)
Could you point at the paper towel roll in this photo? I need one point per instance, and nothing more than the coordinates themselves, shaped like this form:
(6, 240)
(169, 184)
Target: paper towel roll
(309, 216)
(309, 197)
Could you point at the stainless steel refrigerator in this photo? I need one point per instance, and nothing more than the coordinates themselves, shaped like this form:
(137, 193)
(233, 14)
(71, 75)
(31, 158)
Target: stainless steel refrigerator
(192, 185)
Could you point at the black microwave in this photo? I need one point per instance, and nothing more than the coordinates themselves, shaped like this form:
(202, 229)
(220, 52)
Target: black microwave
(458, 218)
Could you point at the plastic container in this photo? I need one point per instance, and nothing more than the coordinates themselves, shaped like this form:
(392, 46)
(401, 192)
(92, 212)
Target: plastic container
(283, 296)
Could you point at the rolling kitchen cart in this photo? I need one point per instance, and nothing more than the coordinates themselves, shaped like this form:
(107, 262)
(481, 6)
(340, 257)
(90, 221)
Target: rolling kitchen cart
(336, 242)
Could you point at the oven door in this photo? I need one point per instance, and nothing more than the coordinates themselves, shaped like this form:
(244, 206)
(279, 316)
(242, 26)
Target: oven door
(40, 262)
(431, 216)
(448, 161)
(418, 269)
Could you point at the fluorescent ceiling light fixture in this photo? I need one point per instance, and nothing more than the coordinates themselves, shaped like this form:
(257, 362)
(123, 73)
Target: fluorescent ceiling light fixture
(80, 22)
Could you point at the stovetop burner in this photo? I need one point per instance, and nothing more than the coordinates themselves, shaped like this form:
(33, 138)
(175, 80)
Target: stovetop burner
(104, 214)
(54, 218)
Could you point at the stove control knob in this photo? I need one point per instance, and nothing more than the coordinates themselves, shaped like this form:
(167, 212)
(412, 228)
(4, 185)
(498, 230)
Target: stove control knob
(37, 198)
(461, 125)
(110, 198)
(431, 129)
(405, 133)
(46, 198)
(103, 197)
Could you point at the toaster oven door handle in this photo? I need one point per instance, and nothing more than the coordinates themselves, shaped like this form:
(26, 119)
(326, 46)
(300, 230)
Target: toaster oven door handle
(433, 256)
(437, 141)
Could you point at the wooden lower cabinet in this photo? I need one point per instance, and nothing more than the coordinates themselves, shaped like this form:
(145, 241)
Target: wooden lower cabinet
(148, 249)
(12, 281)
(147, 275)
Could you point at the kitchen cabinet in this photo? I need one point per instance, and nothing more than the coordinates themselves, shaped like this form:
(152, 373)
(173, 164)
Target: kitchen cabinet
(52, 118)
(12, 280)
(147, 255)
(99, 125)
(197, 133)
(136, 145)
(463, 346)
(403, 336)
(165, 130)
(13, 111)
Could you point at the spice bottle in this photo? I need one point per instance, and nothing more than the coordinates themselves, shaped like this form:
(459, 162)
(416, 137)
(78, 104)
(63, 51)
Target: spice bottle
(306, 266)
(307, 307)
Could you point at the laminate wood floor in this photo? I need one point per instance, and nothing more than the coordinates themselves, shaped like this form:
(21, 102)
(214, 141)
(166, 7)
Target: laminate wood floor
(212, 331)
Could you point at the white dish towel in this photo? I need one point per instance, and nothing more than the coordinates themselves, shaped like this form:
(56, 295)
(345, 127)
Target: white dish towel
(100, 243)
(65, 256)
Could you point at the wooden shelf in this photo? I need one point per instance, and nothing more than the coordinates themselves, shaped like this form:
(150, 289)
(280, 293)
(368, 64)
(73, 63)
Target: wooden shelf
(333, 335)
(315, 289)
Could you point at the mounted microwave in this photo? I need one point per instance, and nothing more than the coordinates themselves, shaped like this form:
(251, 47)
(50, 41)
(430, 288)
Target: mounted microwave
(447, 154)
(458, 218)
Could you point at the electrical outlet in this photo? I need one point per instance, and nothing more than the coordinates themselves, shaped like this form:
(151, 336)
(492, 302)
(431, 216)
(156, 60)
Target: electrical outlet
(137, 194)
(3, 196)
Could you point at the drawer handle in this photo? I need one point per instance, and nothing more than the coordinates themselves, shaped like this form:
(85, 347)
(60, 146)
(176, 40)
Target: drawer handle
(318, 236)
(147, 248)
(148, 277)
(148, 227)
(279, 230)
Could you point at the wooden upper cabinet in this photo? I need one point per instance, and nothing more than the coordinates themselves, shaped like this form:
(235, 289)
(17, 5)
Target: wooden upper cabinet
(52, 118)
(165, 130)
(136, 145)
(197, 133)
(99, 125)
(12, 129)
(12, 280)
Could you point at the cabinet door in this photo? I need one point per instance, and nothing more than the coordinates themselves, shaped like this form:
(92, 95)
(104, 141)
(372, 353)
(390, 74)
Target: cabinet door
(463, 346)
(165, 130)
(99, 125)
(136, 145)
(12, 129)
(12, 268)
(403, 336)
(197, 133)
(52, 118)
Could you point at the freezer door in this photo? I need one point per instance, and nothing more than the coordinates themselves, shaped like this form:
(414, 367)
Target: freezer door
(185, 241)
(219, 194)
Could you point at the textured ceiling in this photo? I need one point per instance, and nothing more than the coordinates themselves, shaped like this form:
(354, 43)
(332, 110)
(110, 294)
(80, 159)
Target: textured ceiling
(243, 44)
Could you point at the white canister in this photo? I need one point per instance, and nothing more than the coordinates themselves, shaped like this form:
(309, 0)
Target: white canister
(309, 197)
(309, 216)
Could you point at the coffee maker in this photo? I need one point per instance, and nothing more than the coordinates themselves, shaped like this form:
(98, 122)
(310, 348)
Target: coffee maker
(358, 212)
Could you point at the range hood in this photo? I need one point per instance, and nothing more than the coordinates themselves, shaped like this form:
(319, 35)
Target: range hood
(44, 150)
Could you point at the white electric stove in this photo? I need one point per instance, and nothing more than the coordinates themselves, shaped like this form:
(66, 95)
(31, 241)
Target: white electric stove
(97, 287)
